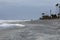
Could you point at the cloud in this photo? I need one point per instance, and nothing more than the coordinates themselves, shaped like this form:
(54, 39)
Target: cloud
(26, 2)
(25, 8)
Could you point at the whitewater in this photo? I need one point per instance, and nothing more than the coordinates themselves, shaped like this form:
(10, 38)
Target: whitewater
(30, 30)
(8, 23)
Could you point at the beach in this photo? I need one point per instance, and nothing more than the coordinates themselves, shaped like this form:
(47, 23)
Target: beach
(32, 31)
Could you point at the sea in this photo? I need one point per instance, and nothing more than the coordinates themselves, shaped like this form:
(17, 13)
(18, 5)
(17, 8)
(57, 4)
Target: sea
(14, 30)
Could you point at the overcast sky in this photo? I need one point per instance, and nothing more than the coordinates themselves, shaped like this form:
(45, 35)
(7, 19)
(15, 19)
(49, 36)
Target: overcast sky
(25, 9)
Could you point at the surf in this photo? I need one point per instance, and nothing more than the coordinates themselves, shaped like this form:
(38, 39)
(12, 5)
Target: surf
(6, 25)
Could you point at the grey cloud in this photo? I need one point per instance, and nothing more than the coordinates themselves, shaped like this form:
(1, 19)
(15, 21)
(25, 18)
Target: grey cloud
(27, 2)
(12, 9)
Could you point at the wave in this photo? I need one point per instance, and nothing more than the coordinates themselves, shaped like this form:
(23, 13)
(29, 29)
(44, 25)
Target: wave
(6, 25)
(13, 21)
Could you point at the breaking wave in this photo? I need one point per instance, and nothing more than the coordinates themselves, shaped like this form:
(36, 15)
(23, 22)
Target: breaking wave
(6, 25)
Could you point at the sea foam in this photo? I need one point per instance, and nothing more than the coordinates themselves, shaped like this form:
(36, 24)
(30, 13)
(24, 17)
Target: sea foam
(5, 25)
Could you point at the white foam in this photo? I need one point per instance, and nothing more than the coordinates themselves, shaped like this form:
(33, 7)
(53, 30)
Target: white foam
(20, 25)
(7, 21)
(10, 25)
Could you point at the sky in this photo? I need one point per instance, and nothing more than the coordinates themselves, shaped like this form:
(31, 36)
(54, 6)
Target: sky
(26, 9)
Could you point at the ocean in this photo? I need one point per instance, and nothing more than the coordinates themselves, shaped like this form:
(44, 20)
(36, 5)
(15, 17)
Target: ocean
(29, 31)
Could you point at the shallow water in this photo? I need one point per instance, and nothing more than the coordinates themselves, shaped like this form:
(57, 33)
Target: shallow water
(29, 32)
